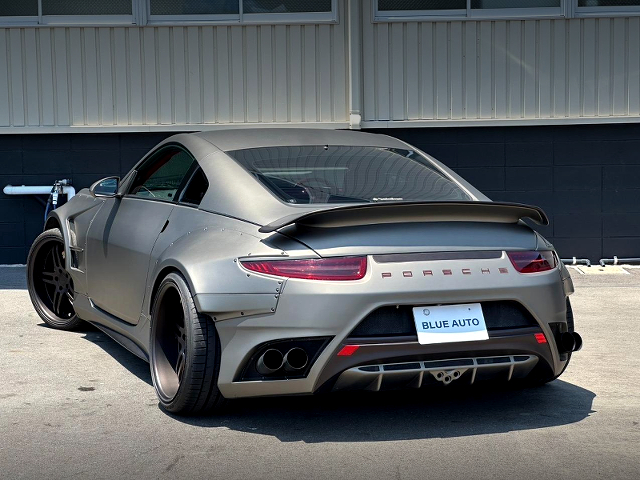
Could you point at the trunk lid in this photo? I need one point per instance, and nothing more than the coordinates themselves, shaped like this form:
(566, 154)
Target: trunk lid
(380, 239)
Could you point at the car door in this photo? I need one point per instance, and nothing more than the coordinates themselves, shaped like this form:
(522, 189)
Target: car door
(124, 231)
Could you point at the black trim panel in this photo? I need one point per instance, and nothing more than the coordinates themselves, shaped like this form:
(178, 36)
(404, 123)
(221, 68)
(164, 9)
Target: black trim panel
(431, 256)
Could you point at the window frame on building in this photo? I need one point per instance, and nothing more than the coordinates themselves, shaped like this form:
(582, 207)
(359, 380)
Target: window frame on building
(80, 20)
(471, 13)
(607, 11)
(567, 9)
(244, 18)
(141, 15)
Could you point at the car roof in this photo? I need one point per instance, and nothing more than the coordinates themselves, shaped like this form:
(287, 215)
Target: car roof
(236, 193)
(244, 138)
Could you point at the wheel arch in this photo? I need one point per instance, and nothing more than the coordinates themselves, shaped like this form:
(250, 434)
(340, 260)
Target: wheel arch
(53, 222)
(162, 273)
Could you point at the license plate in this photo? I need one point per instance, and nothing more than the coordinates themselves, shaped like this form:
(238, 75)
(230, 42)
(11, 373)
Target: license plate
(450, 323)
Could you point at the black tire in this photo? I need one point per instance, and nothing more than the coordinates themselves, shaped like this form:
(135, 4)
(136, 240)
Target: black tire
(50, 285)
(570, 325)
(570, 328)
(185, 351)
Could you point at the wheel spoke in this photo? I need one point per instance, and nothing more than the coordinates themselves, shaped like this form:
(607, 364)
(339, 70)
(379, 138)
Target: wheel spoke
(52, 283)
(180, 337)
(57, 300)
(54, 256)
(182, 356)
(180, 365)
(58, 258)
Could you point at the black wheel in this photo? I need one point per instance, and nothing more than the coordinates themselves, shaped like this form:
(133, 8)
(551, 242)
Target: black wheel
(185, 351)
(570, 328)
(50, 285)
(570, 325)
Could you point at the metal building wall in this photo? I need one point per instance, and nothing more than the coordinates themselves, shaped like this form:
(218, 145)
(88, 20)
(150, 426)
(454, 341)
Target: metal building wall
(501, 72)
(61, 79)
(173, 77)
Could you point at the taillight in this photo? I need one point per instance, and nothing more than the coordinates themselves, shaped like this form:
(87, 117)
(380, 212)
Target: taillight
(342, 268)
(532, 261)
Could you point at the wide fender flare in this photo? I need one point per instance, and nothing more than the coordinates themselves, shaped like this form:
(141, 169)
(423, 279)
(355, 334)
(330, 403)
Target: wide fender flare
(209, 262)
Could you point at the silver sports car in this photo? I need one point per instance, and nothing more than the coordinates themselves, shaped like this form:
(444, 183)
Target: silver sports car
(246, 263)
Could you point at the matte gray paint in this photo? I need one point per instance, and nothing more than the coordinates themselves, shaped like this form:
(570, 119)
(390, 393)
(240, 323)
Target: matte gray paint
(207, 244)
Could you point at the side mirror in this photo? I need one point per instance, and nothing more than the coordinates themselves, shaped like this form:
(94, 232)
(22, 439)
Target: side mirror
(107, 187)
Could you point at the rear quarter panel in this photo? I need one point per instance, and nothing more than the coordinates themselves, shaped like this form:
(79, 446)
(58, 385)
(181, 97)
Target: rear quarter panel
(205, 248)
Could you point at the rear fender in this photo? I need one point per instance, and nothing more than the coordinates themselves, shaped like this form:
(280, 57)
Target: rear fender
(208, 259)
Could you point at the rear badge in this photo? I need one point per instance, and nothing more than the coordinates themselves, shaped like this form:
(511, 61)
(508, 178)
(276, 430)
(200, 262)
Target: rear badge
(447, 272)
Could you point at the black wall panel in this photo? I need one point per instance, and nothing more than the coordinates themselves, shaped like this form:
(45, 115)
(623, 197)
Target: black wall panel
(586, 177)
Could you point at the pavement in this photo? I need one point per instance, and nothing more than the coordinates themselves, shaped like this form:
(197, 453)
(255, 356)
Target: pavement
(77, 405)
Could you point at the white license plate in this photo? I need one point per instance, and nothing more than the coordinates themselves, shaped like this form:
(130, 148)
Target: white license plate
(450, 323)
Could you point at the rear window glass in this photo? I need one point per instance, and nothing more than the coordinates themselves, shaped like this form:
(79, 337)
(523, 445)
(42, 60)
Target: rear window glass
(343, 174)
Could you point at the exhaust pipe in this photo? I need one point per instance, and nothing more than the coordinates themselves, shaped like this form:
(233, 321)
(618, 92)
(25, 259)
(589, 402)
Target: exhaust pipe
(269, 362)
(570, 342)
(295, 359)
(578, 339)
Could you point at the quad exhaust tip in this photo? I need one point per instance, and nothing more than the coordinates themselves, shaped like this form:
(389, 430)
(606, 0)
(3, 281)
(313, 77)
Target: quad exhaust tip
(272, 360)
(295, 359)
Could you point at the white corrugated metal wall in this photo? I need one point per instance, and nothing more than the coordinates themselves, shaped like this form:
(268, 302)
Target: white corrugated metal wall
(171, 76)
(55, 79)
(465, 71)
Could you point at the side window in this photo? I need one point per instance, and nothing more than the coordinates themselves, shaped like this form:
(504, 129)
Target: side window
(196, 188)
(162, 174)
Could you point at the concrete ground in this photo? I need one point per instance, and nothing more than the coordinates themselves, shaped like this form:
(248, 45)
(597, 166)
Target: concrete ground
(78, 405)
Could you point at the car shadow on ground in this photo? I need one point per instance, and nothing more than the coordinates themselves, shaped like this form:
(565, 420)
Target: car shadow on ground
(124, 357)
(405, 415)
(453, 411)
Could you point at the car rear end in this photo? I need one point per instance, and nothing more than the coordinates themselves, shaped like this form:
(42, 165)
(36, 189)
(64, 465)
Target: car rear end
(410, 279)
(366, 330)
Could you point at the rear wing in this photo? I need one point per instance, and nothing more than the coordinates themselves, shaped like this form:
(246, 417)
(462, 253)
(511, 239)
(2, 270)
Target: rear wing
(405, 212)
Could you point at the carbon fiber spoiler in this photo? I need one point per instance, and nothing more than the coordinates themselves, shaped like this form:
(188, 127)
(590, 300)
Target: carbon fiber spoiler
(401, 212)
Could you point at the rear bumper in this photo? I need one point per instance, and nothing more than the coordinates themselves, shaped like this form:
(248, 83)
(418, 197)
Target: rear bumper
(384, 352)
(309, 309)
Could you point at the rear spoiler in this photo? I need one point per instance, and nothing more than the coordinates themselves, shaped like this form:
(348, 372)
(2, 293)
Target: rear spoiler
(405, 212)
